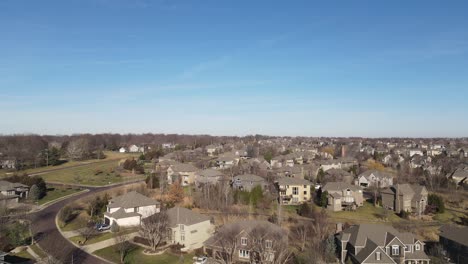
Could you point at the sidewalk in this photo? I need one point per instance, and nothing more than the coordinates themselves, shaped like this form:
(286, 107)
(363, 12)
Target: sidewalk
(103, 244)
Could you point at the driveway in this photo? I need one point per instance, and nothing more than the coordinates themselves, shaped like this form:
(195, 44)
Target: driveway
(51, 240)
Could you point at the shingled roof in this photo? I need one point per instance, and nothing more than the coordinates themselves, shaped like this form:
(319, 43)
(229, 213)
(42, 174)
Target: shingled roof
(130, 200)
(293, 181)
(184, 216)
(455, 233)
(7, 186)
(119, 214)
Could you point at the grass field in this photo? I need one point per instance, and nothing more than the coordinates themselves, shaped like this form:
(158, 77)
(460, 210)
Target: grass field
(95, 174)
(365, 214)
(136, 256)
(38, 251)
(56, 193)
(19, 257)
(110, 155)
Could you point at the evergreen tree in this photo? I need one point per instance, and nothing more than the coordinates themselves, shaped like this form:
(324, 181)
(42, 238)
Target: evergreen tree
(34, 193)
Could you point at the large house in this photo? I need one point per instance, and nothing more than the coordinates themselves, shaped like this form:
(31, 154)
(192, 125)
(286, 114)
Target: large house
(375, 178)
(247, 182)
(374, 243)
(405, 197)
(454, 240)
(129, 209)
(181, 172)
(208, 176)
(11, 192)
(188, 228)
(245, 240)
(293, 190)
(343, 195)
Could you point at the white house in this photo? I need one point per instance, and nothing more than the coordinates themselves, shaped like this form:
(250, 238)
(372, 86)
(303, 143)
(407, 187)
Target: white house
(188, 228)
(135, 148)
(129, 209)
(374, 178)
(122, 150)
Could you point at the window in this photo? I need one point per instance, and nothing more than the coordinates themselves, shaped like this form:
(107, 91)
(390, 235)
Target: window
(268, 244)
(295, 190)
(181, 227)
(418, 247)
(244, 241)
(377, 255)
(182, 238)
(395, 250)
(244, 253)
(407, 248)
(305, 192)
(305, 186)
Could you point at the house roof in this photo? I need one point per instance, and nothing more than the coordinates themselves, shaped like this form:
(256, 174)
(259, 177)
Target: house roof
(249, 177)
(184, 216)
(293, 181)
(119, 214)
(381, 235)
(131, 199)
(455, 233)
(210, 173)
(183, 167)
(376, 173)
(338, 186)
(6, 186)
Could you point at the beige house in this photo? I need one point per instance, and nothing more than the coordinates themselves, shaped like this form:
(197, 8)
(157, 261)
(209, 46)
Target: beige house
(188, 228)
(343, 195)
(405, 197)
(182, 172)
(293, 190)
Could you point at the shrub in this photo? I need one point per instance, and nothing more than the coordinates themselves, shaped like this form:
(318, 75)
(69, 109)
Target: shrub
(66, 214)
(438, 202)
(115, 227)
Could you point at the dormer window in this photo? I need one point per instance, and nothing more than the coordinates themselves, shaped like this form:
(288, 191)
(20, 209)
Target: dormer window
(377, 255)
(268, 244)
(418, 247)
(348, 192)
(243, 241)
(395, 250)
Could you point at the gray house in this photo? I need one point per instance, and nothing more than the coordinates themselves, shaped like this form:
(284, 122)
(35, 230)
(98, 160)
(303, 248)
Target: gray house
(374, 243)
(247, 182)
(405, 197)
(11, 192)
(454, 239)
(342, 195)
(375, 178)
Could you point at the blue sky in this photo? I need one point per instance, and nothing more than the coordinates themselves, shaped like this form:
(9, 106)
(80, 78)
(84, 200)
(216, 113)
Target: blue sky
(344, 68)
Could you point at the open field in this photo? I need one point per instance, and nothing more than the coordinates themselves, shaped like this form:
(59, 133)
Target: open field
(94, 174)
(136, 256)
(56, 193)
(110, 155)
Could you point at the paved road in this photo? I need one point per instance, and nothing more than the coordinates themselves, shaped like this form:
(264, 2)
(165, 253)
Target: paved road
(50, 238)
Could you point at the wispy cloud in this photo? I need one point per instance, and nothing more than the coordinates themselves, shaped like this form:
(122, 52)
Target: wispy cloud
(205, 66)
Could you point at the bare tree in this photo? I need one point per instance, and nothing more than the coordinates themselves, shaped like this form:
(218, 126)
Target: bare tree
(87, 232)
(227, 241)
(78, 149)
(301, 233)
(122, 246)
(269, 245)
(154, 229)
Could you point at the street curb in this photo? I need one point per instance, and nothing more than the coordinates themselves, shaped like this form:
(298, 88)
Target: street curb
(49, 203)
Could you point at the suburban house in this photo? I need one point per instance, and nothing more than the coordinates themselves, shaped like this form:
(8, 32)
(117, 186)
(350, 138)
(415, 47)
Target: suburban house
(343, 195)
(339, 175)
(208, 176)
(249, 235)
(188, 228)
(181, 172)
(129, 209)
(122, 150)
(459, 176)
(375, 178)
(293, 190)
(135, 148)
(226, 161)
(405, 197)
(454, 240)
(247, 182)
(211, 150)
(168, 146)
(11, 192)
(374, 243)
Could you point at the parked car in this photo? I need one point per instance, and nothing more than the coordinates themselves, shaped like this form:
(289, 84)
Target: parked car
(201, 260)
(102, 227)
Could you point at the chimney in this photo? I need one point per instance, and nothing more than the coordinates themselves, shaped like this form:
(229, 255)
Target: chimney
(339, 227)
(343, 151)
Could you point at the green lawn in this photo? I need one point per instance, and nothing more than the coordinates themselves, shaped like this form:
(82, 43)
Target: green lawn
(101, 237)
(365, 214)
(136, 256)
(96, 174)
(38, 251)
(56, 193)
(20, 256)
